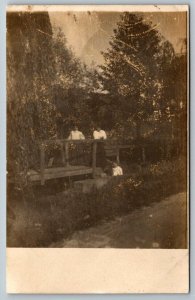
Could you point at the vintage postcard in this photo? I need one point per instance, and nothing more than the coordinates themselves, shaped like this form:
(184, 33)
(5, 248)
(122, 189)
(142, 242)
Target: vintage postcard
(97, 149)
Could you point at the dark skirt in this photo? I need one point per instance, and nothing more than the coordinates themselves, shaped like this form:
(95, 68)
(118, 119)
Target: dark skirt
(101, 155)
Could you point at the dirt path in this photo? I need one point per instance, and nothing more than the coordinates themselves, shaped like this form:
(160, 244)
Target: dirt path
(161, 225)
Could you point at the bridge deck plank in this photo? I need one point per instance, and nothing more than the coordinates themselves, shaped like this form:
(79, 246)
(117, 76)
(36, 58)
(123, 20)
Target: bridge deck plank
(60, 172)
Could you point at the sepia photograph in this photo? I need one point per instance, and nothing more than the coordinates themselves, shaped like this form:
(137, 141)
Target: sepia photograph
(97, 127)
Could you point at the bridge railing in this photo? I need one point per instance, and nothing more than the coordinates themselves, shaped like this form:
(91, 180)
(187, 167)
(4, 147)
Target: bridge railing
(112, 148)
(64, 146)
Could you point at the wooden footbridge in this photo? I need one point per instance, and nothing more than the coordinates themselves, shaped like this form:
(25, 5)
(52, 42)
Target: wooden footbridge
(79, 157)
(71, 162)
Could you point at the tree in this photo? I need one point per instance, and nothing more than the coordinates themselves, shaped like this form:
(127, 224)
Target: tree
(48, 89)
(30, 73)
(134, 74)
(72, 86)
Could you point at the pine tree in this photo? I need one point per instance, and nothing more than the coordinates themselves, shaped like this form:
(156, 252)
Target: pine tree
(134, 72)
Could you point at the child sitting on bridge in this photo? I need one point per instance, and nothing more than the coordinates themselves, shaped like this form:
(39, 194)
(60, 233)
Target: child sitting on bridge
(116, 170)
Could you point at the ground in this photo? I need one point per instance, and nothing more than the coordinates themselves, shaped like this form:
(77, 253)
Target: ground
(161, 225)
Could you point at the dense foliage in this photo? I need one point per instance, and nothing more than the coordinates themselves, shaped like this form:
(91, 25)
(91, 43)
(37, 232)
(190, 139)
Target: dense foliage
(48, 88)
(137, 92)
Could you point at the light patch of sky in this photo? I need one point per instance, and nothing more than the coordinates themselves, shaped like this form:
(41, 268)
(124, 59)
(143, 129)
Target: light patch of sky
(78, 27)
(88, 33)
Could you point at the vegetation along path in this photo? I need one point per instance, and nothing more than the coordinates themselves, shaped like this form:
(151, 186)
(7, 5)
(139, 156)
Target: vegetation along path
(161, 225)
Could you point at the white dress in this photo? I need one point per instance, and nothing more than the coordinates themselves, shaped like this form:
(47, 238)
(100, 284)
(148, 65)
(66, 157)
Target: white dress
(97, 135)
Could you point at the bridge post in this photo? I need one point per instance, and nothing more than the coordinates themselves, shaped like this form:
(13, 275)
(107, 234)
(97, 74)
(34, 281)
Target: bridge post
(67, 153)
(42, 163)
(62, 153)
(94, 152)
(117, 155)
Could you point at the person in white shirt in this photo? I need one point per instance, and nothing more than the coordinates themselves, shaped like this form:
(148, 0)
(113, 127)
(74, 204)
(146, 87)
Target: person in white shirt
(75, 134)
(116, 170)
(99, 134)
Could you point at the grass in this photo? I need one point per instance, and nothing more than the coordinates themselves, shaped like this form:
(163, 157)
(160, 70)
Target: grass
(53, 217)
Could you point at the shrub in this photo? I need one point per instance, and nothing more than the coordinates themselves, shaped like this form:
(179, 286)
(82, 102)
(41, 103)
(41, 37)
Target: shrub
(57, 216)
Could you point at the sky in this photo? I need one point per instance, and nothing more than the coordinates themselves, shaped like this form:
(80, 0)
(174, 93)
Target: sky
(88, 33)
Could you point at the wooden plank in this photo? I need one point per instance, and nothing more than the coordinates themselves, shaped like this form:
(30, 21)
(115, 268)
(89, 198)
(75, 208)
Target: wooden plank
(56, 169)
(94, 153)
(42, 164)
(108, 147)
(115, 147)
(61, 174)
(111, 152)
(124, 146)
(107, 143)
(59, 141)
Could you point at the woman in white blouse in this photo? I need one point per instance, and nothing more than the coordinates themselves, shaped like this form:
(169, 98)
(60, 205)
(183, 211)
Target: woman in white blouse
(99, 134)
(75, 134)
